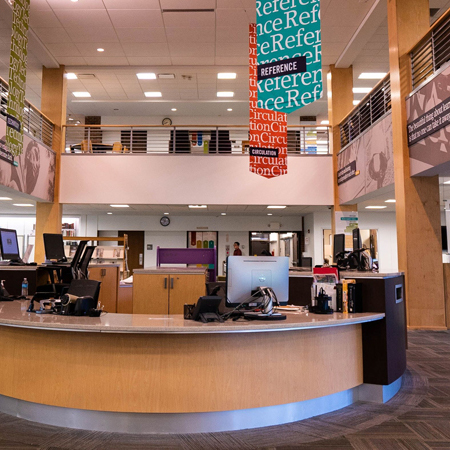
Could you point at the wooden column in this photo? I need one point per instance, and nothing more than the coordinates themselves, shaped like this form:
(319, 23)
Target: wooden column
(53, 105)
(340, 103)
(417, 207)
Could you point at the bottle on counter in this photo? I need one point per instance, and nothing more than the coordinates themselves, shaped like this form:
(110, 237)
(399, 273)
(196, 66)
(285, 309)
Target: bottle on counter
(24, 288)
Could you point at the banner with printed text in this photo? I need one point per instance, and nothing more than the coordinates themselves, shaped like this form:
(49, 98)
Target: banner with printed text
(289, 54)
(268, 129)
(17, 77)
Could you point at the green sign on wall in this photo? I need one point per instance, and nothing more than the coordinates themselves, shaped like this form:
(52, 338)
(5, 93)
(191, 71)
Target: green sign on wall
(17, 77)
(289, 54)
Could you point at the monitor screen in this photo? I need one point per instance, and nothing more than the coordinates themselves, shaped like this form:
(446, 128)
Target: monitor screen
(338, 244)
(357, 243)
(246, 273)
(54, 247)
(9, 244)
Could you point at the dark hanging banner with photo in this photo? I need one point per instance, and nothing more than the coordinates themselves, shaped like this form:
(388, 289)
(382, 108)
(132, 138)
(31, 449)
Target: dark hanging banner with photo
(289, 54)
(17, 77)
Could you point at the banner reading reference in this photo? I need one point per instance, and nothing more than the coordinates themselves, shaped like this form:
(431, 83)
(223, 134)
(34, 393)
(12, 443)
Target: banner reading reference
(289, 54)
(17, 77)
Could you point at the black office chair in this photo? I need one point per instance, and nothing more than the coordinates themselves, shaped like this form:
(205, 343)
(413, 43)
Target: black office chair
(76, 259)
(85, 288)
(83, 265)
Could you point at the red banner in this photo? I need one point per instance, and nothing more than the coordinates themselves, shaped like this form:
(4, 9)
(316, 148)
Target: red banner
(268, 129)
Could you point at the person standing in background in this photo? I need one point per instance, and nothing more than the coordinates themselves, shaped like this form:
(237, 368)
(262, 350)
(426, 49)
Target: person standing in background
(237, 250)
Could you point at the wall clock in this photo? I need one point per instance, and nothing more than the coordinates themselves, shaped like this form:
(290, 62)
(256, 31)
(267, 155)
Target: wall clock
(164, 221)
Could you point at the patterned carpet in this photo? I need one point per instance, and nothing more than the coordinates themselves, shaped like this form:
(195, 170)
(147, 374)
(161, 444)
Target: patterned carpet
(418, 417)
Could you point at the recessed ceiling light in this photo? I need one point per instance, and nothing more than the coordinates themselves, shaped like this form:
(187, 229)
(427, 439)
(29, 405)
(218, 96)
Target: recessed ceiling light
(356, 102)
(153, 94)
(361, 90)
(225, 94)
(230, 109)
(166, 76)
(197, 206)
(276, 207)
(109, 213)
(146, 76)
(325, 122)
(223, 214)
(73, 1)
(166, 214)
(23, 204)
(70, 118)
(376, 207)
(119, 206)
(81, 94)
(391, 200)
(100, 50)
(226, 76)
(372, 75)
(5, 198)
(174, 109)
(269, 214)
(71, 76)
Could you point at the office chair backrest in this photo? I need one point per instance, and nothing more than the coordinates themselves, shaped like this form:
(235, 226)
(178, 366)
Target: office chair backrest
(85, 288)
(84, 261)
(76, 258)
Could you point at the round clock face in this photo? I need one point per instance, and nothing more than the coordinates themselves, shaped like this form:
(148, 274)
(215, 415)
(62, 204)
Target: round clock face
(167, 121)
(164, 221)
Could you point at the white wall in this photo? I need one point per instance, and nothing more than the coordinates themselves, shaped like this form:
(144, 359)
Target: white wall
(187, 179)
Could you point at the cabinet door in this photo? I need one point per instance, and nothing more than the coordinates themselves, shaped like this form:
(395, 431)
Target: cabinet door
(109, 277)
(150, 294)
(185, 289)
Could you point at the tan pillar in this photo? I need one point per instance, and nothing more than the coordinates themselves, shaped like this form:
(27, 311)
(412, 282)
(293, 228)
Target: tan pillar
(340, 103)
(53, 105)
(417, 199)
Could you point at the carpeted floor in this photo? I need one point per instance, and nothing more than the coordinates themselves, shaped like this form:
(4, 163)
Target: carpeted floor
(418, 417)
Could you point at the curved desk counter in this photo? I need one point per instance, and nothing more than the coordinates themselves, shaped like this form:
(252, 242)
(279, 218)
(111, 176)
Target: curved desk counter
(139, 373)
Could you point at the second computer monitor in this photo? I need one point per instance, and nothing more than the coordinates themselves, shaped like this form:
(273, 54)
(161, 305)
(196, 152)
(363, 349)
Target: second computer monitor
(9, 245)
(54, 247)
(338, 244)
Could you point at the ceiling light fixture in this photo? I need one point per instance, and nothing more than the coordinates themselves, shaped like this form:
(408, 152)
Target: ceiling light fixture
(5, 198)
(198, 206)
(23, 204)
(225, 94)
(146, 76)
(269, 214)
(325, 122)
(109, 213)
(73, 1)
(71, 76)
(119, 206)
(391, 200)
(226, 76)
(223, 214)
(100, 50)
(230, 109)
(166, 76)
(153, 94)
(361, 90)
(376, 207)
(174, 109)
(81, 94)
(276, 207)
(372, 75)
(166, 214)
(447, 182)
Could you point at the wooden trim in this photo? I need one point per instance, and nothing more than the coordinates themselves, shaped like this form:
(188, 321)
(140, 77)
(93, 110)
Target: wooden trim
(151, 373)
(172, 127)
(85, 238)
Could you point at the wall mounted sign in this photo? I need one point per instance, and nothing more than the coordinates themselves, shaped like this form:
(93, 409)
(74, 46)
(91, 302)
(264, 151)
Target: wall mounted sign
(17, 76)
(289, 54)
(268, 129)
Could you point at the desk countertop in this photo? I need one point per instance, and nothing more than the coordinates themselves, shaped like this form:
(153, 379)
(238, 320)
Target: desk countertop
(350, 274)
(14, 314)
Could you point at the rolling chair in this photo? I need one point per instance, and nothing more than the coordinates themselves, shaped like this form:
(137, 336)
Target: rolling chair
(83, 265)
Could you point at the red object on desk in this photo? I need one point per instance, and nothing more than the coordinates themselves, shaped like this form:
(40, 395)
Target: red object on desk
(326, 271)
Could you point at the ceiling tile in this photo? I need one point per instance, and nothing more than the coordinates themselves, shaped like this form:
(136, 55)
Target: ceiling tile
(136, 18)
(238, 50)
(191, 35)
(92, 34)
(44, 19)
(149, 61)
(83, 18)
(227, 4)
(189, 19)
(192, 4)
(111, 49)
(52, 35)
(156, 34)
(132, 4)
(231, 61)
(63, 50)
(73, 6)
(141, 49)
(186, 50)
(232, 18)
(192, 61)
(232, 34)
(39, 5)
(106, 61)
(71, 60)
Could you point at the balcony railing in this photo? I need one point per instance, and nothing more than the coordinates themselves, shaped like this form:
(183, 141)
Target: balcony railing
(35, 124)
(188, 139)
(431, 52)
(371, 108)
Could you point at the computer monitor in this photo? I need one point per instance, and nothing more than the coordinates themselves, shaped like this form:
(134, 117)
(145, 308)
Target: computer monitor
(338, 244)
(357, 243)
(9, 244)
(54, 247)
(245, 274)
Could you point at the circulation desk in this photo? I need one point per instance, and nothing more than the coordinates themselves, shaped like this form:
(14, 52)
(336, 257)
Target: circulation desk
(160, 373)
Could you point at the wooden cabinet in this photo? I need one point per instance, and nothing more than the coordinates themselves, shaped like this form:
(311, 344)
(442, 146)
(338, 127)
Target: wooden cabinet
(155, 293)
(109, 277)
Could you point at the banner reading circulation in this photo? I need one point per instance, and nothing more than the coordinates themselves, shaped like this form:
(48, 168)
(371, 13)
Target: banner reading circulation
(289, 54)
(17, 77)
